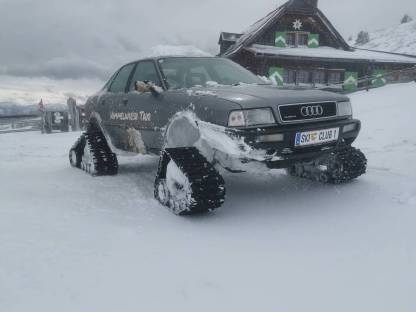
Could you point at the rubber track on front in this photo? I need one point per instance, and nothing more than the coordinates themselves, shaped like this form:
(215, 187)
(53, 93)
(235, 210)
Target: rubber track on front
(352, 160)
(208, 186)
(104, 160)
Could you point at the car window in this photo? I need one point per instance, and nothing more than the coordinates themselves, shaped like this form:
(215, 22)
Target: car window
(224, 74)
(120, 82)
(190, 72)
(109, 81)
(145, 71)
(197, 76)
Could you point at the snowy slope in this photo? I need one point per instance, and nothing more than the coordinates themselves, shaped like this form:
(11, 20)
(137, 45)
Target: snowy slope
(69, 242)
(397, 39)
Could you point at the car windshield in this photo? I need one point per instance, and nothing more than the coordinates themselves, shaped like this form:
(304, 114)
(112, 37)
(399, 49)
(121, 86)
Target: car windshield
(192, 72)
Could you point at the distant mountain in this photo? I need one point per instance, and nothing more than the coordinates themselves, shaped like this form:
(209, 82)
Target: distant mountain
(13, 109)
(398, 39)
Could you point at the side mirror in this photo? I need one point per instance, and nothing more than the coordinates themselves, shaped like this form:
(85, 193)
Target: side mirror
(147, 86)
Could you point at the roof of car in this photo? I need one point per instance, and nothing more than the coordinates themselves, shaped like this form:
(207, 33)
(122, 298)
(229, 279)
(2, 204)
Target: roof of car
(157, 58)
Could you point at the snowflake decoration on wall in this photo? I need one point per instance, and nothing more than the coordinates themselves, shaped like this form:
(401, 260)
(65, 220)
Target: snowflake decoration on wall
(297, 25)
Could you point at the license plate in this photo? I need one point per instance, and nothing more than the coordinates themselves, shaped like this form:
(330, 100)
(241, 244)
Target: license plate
(316, 137)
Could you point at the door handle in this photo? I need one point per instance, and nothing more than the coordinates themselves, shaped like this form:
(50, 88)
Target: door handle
(125, 101)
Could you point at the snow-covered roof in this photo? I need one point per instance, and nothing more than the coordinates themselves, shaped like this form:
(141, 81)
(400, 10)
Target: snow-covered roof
(255, 30)
(232, 37)
(331, 53)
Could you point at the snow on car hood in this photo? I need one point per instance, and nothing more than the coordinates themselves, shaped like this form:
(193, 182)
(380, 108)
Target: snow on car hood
(252, 96)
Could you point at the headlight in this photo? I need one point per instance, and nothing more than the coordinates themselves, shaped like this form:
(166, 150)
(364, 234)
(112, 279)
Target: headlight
(251, 117)
(344, 108)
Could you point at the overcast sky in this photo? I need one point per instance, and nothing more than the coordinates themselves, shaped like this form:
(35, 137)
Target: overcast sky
(90, 38)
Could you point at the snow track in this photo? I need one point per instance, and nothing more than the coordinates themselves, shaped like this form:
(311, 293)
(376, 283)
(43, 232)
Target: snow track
(70, 242)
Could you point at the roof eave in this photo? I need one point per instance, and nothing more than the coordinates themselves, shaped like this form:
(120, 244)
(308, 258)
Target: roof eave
(235, 49)
(320, 59)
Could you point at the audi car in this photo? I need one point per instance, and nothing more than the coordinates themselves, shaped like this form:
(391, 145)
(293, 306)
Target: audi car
(201, 114)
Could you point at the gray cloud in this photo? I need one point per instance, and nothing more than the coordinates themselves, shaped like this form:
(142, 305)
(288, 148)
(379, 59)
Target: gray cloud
(59, 68)
(90, 38)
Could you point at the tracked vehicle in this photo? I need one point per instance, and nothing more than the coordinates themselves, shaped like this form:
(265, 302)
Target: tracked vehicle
(202, 116)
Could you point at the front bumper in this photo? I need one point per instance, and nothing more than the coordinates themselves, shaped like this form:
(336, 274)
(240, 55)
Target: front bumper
(283, 153)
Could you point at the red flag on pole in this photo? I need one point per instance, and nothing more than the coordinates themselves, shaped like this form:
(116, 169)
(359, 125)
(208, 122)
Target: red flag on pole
(41, 107)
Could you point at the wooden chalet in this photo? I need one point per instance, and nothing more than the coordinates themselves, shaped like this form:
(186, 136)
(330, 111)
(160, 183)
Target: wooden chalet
(296, 44)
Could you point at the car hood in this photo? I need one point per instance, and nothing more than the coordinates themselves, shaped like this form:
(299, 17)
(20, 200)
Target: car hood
(255, 96)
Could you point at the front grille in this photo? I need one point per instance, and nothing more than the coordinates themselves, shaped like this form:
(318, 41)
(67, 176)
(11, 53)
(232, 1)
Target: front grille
(307, 112)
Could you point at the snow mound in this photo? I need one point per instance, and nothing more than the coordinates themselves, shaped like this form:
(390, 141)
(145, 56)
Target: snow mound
(179, 186)
(180, 50)
(397, 39)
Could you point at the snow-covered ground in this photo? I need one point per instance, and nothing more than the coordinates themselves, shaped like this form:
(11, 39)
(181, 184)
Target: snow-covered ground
(70, 242)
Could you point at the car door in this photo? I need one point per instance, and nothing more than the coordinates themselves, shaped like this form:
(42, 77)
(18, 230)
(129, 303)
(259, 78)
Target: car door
(112, 107)
(151, 111)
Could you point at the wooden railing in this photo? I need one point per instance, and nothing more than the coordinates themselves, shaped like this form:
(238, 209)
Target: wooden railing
(366, 82)
(20, 123)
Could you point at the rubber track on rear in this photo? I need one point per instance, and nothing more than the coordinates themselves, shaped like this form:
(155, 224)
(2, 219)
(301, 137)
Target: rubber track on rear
(78, 148)
(103, 159)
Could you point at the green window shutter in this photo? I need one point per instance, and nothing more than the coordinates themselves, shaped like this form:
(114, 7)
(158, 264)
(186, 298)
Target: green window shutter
(313, 41)
(276, 74)
(378, 78)
(351, 81)
(280, 40)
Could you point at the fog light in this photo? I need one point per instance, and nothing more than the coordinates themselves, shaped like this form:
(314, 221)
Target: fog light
(271, 138)
(349, 128)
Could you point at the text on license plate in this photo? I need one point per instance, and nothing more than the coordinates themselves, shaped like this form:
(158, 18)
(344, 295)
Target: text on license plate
(316, 137)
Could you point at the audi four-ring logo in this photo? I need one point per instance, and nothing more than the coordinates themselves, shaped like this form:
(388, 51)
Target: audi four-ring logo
(312, 111)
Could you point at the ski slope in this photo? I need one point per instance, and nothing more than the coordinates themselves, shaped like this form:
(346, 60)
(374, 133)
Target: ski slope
(70, 242)
(398, 39)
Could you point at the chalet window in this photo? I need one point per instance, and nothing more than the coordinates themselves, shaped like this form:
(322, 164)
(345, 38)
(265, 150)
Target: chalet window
(319, 77)
(292, 76)
(289, 76)
(316, 76)
(297, 39)
(302, 40)
(291, 39)
(303, 77)
(334, 77)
